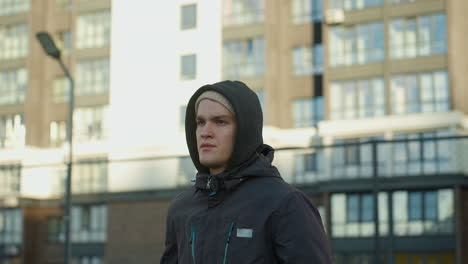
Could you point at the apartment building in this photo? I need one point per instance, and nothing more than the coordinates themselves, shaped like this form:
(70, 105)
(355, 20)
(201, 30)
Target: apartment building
(359, 74)
(356, 97)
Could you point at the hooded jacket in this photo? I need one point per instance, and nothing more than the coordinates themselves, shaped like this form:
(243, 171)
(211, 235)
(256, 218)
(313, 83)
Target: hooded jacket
(246, 214)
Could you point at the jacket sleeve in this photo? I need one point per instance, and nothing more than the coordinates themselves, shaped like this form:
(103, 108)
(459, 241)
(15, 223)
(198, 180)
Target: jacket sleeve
(298, 234)
(170, 255)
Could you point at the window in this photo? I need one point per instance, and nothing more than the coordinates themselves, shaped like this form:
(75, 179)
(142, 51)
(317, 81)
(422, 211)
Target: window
(10, 178)
(58, 133)
(352, 158)
(418, 36)
(307, 11)
(423, 156)
(426, 92)
(93, 30)
(358, 44)
(12, 131)
(349, 5)
(188, 67)
(90, 123)
(307, 112)
(14, 41)
(423, 212)
(352, 214)
(182, 112)
(90, 176)
(242, 12)
(10, 7)
(243, 58)
(55, 229)
(58, 181)
(188, 16)
(92, 77)
(187, 170)
(64, 4)
(309, 167)
(64, 42)
(87, 260)
(11, 226)
(401, 1)
(88, 223)
(308, 60)
(61, 90)
(13, 85)
(357, 99)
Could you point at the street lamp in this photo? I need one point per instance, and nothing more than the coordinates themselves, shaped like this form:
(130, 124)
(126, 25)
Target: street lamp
(51, 50)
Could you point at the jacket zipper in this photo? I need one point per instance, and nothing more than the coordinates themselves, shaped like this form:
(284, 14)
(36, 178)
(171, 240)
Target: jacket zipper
(228, 239)
(192, 243)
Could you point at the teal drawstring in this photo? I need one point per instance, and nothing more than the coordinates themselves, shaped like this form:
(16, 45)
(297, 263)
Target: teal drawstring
(227, 242)
(192, 242)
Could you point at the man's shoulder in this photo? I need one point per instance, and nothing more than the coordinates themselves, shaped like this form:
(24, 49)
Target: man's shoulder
(182, 199)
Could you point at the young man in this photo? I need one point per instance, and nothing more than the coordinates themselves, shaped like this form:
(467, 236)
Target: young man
(240, 210)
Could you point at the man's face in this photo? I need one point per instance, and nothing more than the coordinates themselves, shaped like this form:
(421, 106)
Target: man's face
(216, 129)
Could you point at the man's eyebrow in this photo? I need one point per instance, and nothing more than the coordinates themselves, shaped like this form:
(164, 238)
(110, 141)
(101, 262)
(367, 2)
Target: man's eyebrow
(214, 117)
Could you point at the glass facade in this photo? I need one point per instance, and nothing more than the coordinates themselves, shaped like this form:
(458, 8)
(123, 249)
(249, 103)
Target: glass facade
(90, 176)
(354, 159)
(353, 214)
(243, 58)
(427, 92)
(424, 156)
(93, 30)
(308, 167)
(87, 260)
(88, 223)
(11, 226)
(349, 5)
(307, 112)
(419, 36)
(14, 41)
(92, 77)
(55, 229)
(308, 60)
(10, 179)
(90, 123)
(426, 212)
(58, 133)
(357, 98)
(307, 11)
(356, 44)
(12, 131)
(13, 85)
(11, 7)
(242, 12)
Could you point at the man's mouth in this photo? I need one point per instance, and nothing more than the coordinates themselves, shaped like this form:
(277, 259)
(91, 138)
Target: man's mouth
(206, 146)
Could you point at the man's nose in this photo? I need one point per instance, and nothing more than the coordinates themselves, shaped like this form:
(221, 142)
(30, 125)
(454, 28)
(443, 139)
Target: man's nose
(207, 130)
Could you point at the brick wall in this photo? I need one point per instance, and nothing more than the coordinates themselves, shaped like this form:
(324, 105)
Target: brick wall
(136, 232)
(37, 250)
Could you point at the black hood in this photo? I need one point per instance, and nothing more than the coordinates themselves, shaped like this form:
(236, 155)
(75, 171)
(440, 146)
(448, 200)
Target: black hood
(249, 120)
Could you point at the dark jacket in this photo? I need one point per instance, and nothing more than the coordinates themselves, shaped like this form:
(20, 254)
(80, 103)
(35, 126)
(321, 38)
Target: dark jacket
(246, 214)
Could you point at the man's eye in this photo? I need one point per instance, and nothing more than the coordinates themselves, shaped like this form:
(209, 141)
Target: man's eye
(200, 122)
(221, 122)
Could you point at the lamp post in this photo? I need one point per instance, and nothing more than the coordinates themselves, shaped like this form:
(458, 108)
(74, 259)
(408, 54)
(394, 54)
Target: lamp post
(51, 50)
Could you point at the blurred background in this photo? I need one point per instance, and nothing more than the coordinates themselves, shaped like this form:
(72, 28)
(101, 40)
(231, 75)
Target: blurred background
(366, 102)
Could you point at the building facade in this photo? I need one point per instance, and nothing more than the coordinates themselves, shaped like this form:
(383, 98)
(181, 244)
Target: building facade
(363, 100)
